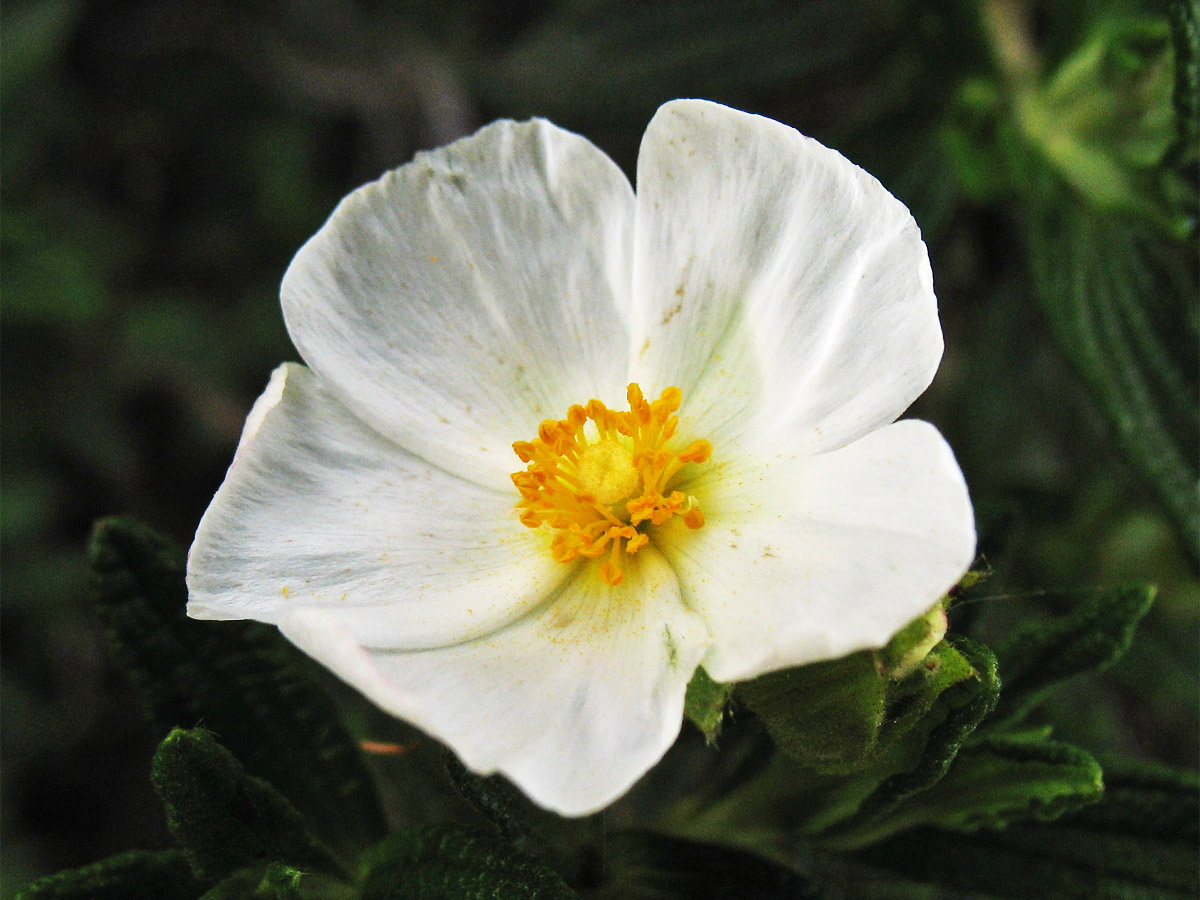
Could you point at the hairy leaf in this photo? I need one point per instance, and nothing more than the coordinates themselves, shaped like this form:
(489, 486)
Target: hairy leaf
(1095, 633)
(1121, 303)
(162, 875)
(224, 819)
(446, 862)
(1137, 843)
(239, 679)
(645, 866)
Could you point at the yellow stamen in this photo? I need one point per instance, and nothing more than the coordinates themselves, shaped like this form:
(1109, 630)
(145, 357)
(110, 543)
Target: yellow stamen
(594, 487)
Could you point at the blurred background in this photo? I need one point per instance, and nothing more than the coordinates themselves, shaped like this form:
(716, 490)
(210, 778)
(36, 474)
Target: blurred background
(162, 161)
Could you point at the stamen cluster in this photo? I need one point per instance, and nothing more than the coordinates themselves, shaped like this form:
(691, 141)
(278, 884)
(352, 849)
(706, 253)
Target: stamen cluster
(594, 486)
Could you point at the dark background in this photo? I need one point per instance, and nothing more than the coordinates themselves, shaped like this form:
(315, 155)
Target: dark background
(161, 162)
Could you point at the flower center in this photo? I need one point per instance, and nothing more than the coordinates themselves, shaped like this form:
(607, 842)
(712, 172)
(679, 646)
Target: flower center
(599, 476)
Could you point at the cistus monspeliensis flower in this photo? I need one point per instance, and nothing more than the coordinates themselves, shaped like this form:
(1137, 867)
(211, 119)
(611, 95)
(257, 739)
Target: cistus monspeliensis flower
(559, 443)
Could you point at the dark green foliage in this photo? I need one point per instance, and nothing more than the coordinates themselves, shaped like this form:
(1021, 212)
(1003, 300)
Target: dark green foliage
(992, 784)
(496, 800)
(446, 862)
(241, 680)
(646, 866)
(1185, 41)
(225, 819)
(1095, 632)
(1138, 843)
(1123, 308)
(163, 875)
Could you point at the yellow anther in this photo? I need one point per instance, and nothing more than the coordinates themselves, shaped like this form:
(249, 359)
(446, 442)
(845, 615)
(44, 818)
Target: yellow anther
(593, 488)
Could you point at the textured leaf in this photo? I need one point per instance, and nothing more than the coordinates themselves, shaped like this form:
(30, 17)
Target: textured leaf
(644, 866)
(446, 862)
(224, 819)
(1137, 843)
(1094, 634)
(1001, 781)
(496, 800)
(239, 679)
(705, 703)
(1185, 40)
(163, 875)
(1121, 303)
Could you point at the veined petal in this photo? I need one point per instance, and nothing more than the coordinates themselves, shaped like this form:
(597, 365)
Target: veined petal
(781, 287)
(573, 703)
(809, 558)
(465, 297)
(319, 511)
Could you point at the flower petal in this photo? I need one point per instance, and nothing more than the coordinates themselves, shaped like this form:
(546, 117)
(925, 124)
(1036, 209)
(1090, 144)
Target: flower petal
(781, 287)
(573, 703)
(319, 511)
(806, 559)
(463, 298)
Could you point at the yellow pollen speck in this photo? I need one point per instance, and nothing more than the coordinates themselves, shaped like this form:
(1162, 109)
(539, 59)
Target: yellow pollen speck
(597, 477)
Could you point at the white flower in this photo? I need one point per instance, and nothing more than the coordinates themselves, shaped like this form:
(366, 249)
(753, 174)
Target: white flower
(773, 291)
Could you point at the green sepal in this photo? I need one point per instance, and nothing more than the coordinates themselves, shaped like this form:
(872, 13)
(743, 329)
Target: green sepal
(1095, 633)
(705, 703)
(931, 749)
(163, 875)
(224, 819)
(242, 680)
(846, 715)
(826, 715)
(1137, 843)
(644, 866)
(448, 862)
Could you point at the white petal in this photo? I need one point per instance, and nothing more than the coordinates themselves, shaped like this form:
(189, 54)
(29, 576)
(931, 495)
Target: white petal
(775, 279)
(573, 703)
(319, 511)
(463, 298)
(805, 559)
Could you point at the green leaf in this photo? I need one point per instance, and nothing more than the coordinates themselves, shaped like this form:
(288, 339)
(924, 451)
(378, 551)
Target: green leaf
(1095, 633)
(997, 782)
(1121, 303)
(240, 679)
(497, 801)
(1137, 843)
(225, 819)
(279, 882)
(162, 875)
(644, 866)
(705, 703)
(1185, 40)
(447, 862)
